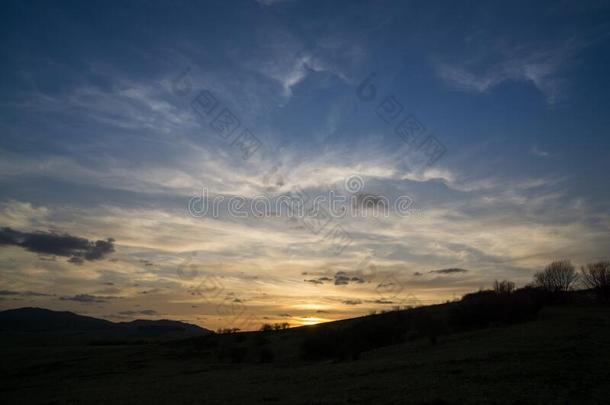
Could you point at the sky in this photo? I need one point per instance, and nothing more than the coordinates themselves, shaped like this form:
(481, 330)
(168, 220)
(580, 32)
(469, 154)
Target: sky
(138, 142)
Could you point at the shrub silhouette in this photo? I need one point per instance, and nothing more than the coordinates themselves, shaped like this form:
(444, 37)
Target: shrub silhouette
(370, 332)
(480, 309)
(596, 276)
(488, 307)
(267, 327)
(223, 331)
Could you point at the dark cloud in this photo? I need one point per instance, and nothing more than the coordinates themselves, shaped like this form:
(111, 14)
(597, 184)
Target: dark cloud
(142, 312)
(352, 302)
(87, 298)
(50, 243)
(417, 274)
(386, 284)
(6, 292)
(342, 278)
(24, 293)
(285, 315)
(382, 301)
(449, 271)
(83, 298)
(146, 263)
(76, 260)
(109, 291)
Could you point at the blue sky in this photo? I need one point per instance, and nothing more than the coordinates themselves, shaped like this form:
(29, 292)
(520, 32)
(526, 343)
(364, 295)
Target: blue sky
(99, 139)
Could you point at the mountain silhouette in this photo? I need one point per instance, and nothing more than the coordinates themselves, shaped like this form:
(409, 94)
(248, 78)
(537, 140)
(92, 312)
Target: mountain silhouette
(46, 320)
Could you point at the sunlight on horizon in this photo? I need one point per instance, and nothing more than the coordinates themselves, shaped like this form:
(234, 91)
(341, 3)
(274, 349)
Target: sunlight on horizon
(312, 320)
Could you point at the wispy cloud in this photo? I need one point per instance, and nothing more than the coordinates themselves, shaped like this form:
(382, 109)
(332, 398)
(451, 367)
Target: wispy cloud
(534, 150)
(539, 66)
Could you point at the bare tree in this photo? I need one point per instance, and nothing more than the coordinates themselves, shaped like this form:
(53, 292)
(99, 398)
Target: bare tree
(597, 277)
(557, 276)
(223, 331)
(504, 287)
(266, 327)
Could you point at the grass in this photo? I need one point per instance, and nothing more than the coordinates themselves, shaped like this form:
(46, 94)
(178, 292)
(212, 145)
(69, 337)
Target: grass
(561, 357)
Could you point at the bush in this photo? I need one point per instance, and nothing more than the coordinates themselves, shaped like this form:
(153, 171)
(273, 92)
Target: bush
(488, 307)
(223, 331)
(479, 309)
(370, 332)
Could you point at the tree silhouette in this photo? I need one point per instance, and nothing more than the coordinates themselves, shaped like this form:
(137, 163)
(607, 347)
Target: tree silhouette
(597, 277)
(266, 327)
(504, 287)
(558, 276)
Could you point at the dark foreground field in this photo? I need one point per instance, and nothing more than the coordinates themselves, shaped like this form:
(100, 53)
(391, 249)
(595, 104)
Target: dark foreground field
(563, 356)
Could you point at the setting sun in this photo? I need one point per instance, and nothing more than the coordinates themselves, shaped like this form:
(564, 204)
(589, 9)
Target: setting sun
(312, 320)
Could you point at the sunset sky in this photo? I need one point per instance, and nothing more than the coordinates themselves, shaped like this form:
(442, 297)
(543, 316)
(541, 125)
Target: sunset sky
(106, 145)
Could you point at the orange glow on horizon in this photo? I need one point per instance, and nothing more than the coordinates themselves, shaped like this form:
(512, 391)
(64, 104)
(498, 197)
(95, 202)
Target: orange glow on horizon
(311, 320)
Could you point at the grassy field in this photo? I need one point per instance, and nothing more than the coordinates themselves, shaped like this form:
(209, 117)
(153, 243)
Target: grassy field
(561, 357)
